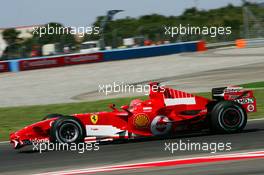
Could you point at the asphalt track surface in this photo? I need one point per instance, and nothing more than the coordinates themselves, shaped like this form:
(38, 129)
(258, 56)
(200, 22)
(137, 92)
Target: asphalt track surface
(27, 161)
(188, 71)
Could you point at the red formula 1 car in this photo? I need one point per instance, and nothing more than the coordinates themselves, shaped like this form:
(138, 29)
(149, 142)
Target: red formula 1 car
(167, 111)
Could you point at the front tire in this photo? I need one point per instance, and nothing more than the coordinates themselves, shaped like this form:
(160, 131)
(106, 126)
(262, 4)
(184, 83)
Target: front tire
(67, 130)
(228, 117)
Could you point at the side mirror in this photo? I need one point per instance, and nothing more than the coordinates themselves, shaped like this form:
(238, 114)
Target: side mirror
(112, 106)
(125, 107)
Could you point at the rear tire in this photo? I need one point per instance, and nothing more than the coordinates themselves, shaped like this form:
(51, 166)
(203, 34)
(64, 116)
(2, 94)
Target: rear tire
(228, 117)
(67, 130)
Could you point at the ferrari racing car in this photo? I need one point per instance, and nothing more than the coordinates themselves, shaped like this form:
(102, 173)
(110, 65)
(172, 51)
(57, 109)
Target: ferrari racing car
(166, 112)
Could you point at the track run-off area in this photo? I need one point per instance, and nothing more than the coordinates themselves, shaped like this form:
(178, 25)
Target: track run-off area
(194, 72)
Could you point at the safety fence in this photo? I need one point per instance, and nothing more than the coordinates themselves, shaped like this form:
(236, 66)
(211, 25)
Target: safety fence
(109, 55)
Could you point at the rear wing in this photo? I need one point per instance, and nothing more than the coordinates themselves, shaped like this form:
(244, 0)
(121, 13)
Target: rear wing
(238, 94)
(172, 97)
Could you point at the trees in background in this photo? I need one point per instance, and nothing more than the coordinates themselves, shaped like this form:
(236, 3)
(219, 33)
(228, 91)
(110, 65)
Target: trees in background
(148, 27)
(18, 47)
(13, 43)
(152, 26)
(61, 37)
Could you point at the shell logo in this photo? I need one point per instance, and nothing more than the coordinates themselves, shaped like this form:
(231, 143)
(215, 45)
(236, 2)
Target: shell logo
(141, 120)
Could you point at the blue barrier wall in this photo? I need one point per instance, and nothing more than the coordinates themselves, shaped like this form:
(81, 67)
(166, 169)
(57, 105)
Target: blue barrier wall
(149, 51)
(120, 54)
(13, 66)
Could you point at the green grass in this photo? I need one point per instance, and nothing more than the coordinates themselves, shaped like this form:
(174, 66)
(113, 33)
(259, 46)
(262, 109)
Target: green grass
(254, 85)
(14, 118)
(259, 94)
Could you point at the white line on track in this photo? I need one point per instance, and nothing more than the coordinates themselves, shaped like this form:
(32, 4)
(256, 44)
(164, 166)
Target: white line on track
(3, 142)
(256, 119)
(162, 163)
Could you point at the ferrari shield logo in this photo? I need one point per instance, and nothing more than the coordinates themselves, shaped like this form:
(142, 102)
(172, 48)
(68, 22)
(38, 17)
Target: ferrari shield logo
(94, 118)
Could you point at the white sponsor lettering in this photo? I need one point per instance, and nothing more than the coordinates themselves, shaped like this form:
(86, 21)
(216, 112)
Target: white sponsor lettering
(179, 101)
(82, 58)
(42, 63)
(102, 130)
